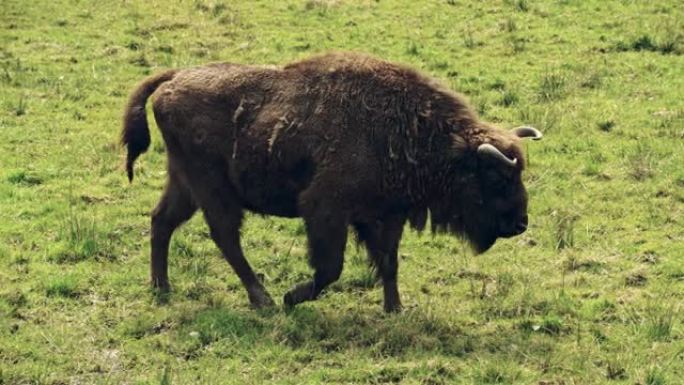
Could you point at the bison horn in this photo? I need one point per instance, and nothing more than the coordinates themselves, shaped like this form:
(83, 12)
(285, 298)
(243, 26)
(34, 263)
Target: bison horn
(527, 132)
(487, 150)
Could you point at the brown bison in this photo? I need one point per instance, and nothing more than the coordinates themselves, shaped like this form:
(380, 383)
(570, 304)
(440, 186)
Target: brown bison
(340, 139)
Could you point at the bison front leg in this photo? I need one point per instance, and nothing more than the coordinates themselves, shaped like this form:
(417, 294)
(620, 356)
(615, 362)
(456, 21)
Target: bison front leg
(327, 236)
(382, 242)
(175, 207)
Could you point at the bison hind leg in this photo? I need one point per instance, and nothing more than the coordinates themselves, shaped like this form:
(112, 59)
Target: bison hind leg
(224, 227)
(174, 208)
(224, 214)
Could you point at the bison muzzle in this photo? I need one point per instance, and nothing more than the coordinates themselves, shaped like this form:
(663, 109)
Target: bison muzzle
(339, 140)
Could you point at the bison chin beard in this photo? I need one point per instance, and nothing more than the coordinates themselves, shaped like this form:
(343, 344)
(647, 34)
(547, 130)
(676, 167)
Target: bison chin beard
(481, 242)
(480, 236)
(477, 236)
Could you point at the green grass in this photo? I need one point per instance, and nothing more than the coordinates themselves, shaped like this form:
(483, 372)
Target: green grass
(593, 293)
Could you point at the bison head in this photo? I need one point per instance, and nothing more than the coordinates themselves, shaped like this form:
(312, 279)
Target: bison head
(491, 202)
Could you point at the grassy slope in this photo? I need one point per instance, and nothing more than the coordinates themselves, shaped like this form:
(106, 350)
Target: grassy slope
(592, 293)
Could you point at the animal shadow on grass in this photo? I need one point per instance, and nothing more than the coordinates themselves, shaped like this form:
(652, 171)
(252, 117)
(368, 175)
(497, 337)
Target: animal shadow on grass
(384, 335)
(330, 330)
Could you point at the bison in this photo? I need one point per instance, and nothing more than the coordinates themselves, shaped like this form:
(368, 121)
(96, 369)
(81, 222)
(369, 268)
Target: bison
(340, 140)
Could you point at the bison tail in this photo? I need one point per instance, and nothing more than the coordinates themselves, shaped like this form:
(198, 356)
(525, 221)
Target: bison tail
(136, 133)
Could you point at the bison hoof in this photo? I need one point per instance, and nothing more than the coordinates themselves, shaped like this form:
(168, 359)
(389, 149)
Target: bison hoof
(292, 298)
(289, 301)
(301, 293)
(161, 293)
(161, 286)
(261, 300)
(393, 308)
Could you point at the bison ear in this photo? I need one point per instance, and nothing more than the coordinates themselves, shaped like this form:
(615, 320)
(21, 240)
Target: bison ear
(527, 132)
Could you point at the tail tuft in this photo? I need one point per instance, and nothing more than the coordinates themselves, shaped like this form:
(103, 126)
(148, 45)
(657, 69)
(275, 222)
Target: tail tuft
(135, 135)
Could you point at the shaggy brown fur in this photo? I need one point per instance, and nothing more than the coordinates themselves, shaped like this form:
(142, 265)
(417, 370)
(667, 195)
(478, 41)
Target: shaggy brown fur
(340, 139)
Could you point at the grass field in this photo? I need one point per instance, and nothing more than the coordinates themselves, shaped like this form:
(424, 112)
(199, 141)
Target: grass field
(593, 293)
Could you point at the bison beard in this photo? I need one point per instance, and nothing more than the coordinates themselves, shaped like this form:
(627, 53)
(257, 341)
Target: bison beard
(339, 140)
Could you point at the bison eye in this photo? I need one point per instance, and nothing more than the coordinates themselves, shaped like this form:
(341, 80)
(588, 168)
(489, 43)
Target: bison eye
(493, 176)
(497, 182)
(498, 188)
